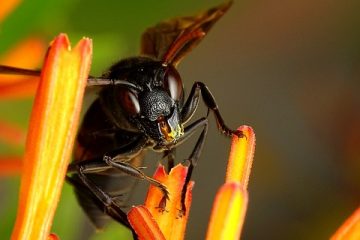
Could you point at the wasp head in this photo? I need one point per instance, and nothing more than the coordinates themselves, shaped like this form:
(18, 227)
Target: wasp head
(154, 104)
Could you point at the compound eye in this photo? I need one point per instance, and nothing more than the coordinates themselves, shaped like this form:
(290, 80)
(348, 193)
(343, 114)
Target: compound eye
(129, 101)
(173, 83)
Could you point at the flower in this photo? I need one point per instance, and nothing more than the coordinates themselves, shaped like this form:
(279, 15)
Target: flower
(51, 135)
(150, 222)
(228, 212)
(350, 230)
(45, 161)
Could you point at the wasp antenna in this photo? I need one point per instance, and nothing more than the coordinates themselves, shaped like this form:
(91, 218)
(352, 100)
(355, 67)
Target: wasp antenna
(18, 71)
(94, 81)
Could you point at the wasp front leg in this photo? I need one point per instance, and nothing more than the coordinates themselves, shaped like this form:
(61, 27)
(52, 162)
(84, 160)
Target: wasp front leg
(201, 123)
(170, 156)
(194, 156)
(193, 101)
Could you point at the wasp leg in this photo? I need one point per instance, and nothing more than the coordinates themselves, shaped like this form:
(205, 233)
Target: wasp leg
(193, 101)
(188, 132)
(170, 155)
(89, 166)
(194, 156)
(96, 165)
(101, 198)
(135, 172)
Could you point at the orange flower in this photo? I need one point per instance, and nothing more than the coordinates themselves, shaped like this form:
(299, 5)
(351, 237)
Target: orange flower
(49, 143)
(229, 208)
(228, 212)
(150, 222)
(350, 230)
(52, 131)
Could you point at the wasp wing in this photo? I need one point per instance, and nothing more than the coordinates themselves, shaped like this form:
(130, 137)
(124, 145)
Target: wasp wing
(171, 40)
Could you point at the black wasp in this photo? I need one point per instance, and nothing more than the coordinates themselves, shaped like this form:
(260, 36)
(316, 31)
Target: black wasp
(140, 105)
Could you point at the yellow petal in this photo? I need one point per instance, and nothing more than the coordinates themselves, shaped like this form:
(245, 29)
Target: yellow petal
(51, 135)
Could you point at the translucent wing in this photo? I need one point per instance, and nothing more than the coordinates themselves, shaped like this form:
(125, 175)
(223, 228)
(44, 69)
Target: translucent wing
(170, 40)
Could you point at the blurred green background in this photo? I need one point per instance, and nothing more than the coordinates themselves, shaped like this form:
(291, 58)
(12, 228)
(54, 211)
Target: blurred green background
(290, 69)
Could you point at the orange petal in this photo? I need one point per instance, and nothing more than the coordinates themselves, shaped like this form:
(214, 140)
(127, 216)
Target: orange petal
(10, 165)
(12, 134)
(171, 223)
(229, 209)
(350, 230)
(228, 213)
(7, 7)
(144, 224)
(241, 157)
(51, 135)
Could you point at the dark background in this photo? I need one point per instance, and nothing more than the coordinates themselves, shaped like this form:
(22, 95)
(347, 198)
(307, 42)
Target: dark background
(289, 69)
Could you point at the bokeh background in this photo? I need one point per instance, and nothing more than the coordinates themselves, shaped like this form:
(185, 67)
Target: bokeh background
(290, 69)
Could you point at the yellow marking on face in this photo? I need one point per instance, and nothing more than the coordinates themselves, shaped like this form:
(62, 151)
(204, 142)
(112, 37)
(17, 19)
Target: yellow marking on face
(177, 132)
(171, 134)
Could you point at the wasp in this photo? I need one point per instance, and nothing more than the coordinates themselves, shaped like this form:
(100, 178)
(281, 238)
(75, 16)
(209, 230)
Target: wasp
(140, 105)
